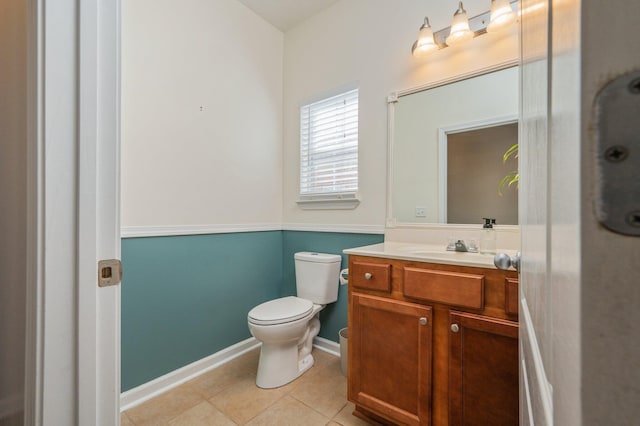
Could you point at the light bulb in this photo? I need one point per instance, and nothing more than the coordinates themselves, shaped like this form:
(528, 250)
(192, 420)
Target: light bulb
(425, 43)
(502, 16)
(460, 31)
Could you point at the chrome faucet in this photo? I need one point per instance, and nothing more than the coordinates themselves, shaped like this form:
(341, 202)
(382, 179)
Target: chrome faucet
(461, 246)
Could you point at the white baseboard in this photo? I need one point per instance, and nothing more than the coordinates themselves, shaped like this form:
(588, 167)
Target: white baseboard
(327, 345)
(142, 393)
(11, 404)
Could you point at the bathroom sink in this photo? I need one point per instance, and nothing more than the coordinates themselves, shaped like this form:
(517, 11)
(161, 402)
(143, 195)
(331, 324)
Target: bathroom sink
(433, 253)
(425, 250)
(442, 254)
(424, 253)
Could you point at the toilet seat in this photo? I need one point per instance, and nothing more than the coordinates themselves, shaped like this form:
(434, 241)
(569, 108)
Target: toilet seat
(280, 311)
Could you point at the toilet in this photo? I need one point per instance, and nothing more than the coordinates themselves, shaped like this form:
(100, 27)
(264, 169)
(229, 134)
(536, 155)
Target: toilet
(286, 326)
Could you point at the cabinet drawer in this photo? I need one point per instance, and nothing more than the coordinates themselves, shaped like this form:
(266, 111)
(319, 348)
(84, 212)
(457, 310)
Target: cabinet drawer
(450, 288)
(511, 296)
(370, 276)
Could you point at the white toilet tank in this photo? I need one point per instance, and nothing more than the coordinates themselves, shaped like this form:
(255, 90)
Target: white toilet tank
(317, 276)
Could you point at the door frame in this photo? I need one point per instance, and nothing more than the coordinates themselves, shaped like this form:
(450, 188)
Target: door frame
(72, 331)
(98, 211)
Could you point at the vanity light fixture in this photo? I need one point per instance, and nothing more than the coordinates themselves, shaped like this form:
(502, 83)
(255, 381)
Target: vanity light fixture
(425, 44)
(462, 29)
(502, 16)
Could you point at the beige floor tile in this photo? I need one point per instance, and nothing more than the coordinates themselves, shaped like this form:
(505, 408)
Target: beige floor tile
(325, 391)
(300, 381)
(345, 418)
(248, 360)
(244, 400)
(214, 381)
(289, 412)
(239, 369)
(165, 407)
(228, 395)
(322, 358)
(203, 414)
(125, 420)
(333, 364)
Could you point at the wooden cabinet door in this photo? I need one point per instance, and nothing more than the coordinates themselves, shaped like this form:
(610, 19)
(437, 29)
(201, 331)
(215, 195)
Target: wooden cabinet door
(483, 370)
(390, 358)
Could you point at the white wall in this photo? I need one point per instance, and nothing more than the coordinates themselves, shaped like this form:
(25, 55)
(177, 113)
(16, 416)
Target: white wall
(13, 184)
(182, 165)
(369, 42)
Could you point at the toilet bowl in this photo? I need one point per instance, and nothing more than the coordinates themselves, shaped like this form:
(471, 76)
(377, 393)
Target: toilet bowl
(286, 346)
(287, 326)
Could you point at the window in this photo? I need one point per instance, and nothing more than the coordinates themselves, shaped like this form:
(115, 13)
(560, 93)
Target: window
(329, 152)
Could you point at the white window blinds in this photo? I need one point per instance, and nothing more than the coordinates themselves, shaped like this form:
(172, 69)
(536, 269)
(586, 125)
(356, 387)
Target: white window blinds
(329, 146)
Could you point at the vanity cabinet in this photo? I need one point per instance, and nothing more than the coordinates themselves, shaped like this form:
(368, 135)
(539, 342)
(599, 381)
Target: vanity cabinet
(432, 344)
(391, 341)
(483, 370)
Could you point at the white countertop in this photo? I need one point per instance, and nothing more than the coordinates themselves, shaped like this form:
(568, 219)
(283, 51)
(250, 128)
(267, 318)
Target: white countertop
(426, 253)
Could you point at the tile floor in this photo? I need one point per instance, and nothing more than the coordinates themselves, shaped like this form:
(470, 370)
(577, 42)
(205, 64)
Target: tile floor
(228, 395)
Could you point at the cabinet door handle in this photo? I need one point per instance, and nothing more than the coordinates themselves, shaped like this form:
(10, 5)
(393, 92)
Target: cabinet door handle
(455, 328)
(423, 321)
(368, 276)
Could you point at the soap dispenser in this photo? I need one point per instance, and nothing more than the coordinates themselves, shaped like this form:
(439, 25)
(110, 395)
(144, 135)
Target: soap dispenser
(488, 239)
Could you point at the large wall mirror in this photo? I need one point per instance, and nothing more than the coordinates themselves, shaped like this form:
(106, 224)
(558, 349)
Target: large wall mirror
(446, 148)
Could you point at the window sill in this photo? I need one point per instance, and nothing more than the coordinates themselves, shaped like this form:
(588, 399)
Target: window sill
(328, 203)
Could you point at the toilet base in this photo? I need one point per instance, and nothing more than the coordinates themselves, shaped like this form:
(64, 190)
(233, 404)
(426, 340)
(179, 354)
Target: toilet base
(305, 363)
(281, 363)
(277, 367)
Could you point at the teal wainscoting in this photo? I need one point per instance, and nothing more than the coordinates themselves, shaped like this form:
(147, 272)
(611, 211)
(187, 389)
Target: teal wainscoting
(187, 297)
(334, 316)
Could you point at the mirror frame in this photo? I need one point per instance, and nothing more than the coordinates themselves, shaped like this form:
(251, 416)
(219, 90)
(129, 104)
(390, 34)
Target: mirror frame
(392, 99)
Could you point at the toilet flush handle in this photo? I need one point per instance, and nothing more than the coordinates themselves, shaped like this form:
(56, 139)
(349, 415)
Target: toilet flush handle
(368, 276)
(344, 277)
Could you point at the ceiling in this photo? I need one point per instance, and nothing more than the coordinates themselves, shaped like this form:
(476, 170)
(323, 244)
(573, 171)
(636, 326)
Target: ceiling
(285, 14)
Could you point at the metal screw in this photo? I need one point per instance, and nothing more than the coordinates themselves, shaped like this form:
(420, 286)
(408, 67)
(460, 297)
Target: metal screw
(634, 86)
(616, 154)
(633, 218)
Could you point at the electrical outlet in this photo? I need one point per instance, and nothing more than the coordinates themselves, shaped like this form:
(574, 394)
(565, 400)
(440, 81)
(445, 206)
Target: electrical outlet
(421, 212)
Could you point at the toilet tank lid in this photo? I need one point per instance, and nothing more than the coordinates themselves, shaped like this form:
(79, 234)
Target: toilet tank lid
(308, 256)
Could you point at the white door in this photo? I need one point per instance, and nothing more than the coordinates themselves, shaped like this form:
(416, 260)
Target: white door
(536, 402)
(580, 352)
(73, 328)
(550, 211)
